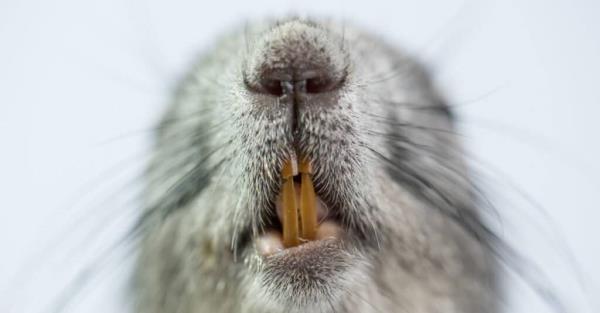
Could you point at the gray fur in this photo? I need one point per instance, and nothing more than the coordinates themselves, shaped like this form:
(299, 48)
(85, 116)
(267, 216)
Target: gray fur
(385, 158)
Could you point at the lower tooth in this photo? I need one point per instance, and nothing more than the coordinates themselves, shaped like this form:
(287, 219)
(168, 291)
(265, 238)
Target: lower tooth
(269, 243)
(328, 230)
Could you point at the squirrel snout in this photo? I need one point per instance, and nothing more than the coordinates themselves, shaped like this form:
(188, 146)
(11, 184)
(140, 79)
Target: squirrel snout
(296, 58)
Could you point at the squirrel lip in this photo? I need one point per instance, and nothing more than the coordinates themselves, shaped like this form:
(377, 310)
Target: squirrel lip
(302, 214)
(270, 243)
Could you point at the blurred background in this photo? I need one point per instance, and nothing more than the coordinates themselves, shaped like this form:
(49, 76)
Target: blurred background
(83, 82)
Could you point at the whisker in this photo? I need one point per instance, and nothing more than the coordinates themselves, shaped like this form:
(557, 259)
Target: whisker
(466, 219)
(84, 278)
(361, 298)
(163, 124)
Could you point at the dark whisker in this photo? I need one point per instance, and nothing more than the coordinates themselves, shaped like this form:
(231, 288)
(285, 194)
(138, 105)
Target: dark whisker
(466, 218)
(160, 126)
(391, 122)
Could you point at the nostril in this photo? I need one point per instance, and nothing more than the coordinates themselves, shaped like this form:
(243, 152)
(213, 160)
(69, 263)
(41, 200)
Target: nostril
(272, 86)
(277, 87)
(292, 81)
(313, 85)
(318, 84)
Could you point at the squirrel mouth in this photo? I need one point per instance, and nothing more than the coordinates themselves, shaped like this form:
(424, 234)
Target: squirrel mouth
(302, 216)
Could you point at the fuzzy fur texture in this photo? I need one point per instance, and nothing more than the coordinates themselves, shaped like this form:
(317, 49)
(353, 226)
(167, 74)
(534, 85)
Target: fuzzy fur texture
(386, 161)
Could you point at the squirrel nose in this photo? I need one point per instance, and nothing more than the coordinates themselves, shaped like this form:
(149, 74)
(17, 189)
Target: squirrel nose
(295, 58)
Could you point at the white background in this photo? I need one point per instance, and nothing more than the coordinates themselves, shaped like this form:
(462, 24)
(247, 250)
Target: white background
(82, 82)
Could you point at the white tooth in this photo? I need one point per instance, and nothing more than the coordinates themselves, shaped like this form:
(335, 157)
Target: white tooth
(294, 162)
(328, 230)
(269, 243)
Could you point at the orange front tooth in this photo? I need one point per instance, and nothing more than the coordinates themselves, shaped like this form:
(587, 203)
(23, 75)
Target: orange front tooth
(290, 210)
(304, 166)
(308, 203)
(308, 211)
